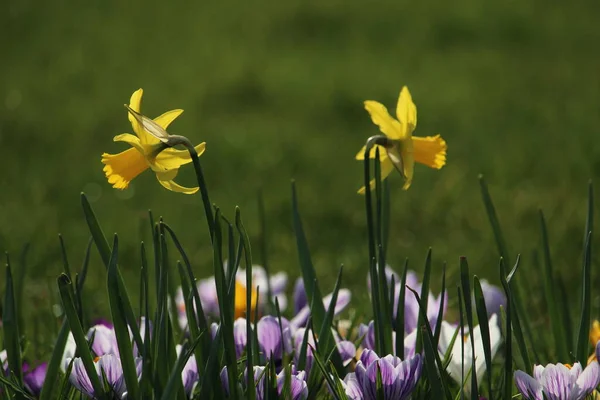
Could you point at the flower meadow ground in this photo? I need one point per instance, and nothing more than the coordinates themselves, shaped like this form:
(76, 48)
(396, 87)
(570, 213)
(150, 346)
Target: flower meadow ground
(237, 334)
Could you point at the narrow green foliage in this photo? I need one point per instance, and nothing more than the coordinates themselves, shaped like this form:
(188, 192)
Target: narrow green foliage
(385, 307)
(14, 386)
(515, 319)
(10, 321)
(550, 290)
(429, 336)
(581, 351)
(210, 379)
(485, 329)
(174, 382)
(226, 301)
(200, 316)
(65, 259)
(52, 372)
(105, 252)
(264, 253)
(433, 377)
(424, 295)
(440, 315)
(400, 313)
(245, 241)
(147, 367)
(308, 272)
(508, 358)
(203, 190)
(493, 217)
(66, 294)
(466, 295)
(80, 280)
(332, 381)
(120, 324)
(327, 341)
(304, 346)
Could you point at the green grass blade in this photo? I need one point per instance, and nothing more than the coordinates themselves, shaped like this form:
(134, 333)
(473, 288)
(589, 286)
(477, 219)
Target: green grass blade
(174, 382)
(433, 376)
(211, 381)
(105, 252)
(200, 316)
(550, 291)
(428, 335)
(466, 295)
(581, 351)
(245, 241)
(10, 321)
(309, 276)
(326, 340)
(485, 330)
(226, 297)
(52, 372)
(66, 290)
(120, 324)
(440, 315)
(516, 322)
(400, 313)
(508, 354)
(263, 248)
(424, 295)
(493, 217)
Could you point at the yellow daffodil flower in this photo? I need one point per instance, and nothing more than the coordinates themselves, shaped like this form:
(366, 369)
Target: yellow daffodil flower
(148, 150)
(399, 149)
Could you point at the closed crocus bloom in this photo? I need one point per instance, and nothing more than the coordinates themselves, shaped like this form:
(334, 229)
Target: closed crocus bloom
(189, 374)
(274, 339)
(150, 148)
(462, 353)
(34, 379)
(399, 148)
(302, 313)
(298, 388)
(105, 340)
(398, 378)
(107, 366)
(558, 381)
(494, 298)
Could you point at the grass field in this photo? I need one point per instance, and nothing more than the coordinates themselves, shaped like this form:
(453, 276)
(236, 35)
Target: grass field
(276, 91)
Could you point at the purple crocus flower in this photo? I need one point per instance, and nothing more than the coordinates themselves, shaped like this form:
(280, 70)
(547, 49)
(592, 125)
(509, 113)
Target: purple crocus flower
(298, 388)
(189, 374)
(34, 379)
(399, 378)
(346, 348)
(108, 365)
(494, 298)
(302, 308)
(105, 340)
(368, 334)
(558, 381)
(411, 306)
(274, 340)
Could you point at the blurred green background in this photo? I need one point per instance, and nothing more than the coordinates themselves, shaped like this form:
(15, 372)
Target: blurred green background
(276, 90)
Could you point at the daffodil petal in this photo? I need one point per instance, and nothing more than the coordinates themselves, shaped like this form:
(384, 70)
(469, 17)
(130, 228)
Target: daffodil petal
(165, 119)
(430, 151)
(135, 102)
(172, 158)
(130, 139)
(120, 169)
(380, 117)
(386, 168)
(382, 152)
(406, 112)
(166, 179)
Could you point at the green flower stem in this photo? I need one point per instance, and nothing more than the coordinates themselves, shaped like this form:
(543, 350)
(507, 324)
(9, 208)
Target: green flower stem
(182, 140)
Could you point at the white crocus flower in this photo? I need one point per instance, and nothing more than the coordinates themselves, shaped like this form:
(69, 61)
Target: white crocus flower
(456, 361)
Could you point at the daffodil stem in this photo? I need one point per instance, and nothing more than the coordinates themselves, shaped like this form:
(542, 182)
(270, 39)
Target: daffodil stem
(201, 182)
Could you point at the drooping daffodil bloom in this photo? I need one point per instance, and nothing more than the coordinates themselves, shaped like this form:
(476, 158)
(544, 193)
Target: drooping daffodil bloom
(149, 149)
(398, 148)
(463, 347)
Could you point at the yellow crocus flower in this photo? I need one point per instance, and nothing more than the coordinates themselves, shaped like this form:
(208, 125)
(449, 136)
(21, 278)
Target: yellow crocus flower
(147, 151)
(400, 149)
